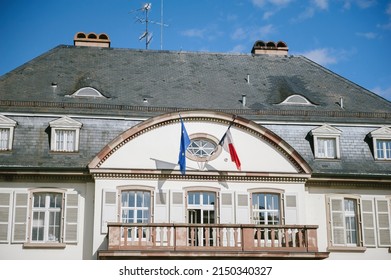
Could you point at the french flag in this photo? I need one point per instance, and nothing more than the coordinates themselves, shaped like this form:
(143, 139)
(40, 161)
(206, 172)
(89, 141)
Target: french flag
(228, 145)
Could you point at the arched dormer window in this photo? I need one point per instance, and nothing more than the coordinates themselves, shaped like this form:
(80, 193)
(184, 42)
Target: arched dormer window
(87, 92)
(296, 99)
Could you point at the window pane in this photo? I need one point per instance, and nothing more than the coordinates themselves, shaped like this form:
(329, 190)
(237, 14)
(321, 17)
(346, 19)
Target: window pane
(383, 148)
(201, 147)
(4, 138)
(266, 208)
(39, 199)
(55, 200)
(38, 226)
(65, 140)
(326, 147)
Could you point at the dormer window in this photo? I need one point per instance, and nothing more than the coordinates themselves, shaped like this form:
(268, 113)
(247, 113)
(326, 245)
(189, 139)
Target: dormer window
(296, 99)
(326, 142)
(65, 135)
(89, 92)
(381, 139)
(6, 133)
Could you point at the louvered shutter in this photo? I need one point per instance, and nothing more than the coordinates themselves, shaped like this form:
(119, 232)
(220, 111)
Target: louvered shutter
(383, 222)
(177, 213)
(337, 221)
(109, 208)
(368, 222)
(20, 213)
(71, 217)
(5, 216)
(290, 203)
(242, 208)
(227, 208)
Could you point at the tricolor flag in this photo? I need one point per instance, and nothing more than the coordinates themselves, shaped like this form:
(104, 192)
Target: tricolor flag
(185, 142)
(228, 145)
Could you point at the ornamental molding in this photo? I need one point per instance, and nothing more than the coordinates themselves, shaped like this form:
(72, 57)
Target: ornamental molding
(240, 123)
(202, 176)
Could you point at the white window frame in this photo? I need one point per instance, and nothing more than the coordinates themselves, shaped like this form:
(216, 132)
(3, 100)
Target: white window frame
(136, 208)
(344, 215)
(323, 134)
(381, 134)
(47, 211)
(7, 127)
(270, 209)
(61, 126)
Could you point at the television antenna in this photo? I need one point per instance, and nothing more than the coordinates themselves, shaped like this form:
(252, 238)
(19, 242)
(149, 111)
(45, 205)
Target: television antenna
(146, 35)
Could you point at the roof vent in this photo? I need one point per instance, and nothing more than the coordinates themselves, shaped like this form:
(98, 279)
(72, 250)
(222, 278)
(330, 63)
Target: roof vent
(261, 47)
(91, 40)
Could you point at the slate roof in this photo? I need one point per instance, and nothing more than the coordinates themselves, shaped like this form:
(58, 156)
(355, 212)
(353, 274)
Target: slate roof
(174, 81)
(147, 83)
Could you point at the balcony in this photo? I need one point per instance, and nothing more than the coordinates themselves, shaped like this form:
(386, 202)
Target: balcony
(217, 241)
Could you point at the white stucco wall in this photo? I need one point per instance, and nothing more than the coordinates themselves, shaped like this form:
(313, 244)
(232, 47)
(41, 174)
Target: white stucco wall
(80, 250)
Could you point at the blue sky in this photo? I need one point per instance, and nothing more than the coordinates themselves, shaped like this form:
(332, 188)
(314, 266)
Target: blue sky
(350, 37)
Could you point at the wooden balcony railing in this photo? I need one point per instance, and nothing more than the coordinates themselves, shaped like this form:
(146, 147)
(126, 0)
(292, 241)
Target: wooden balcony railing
(196, 238)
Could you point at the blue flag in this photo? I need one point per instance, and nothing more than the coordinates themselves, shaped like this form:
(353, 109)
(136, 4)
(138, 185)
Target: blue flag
(185, 142)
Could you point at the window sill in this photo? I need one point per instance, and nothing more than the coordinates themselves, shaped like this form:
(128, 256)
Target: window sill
(347, 249)
(44, 245)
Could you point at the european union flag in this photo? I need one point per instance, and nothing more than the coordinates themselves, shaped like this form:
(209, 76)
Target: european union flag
(185, 142)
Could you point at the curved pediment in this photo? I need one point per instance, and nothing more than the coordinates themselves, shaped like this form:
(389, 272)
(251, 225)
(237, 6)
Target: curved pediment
(153, 145)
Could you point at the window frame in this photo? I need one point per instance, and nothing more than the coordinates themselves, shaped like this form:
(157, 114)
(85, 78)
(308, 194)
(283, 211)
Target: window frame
(64, 124)
(9, 125)
(380, 134)
(279, 193)
(384, 149)
(326, 132)
(208, 138)
(47, 211)
(345, 246)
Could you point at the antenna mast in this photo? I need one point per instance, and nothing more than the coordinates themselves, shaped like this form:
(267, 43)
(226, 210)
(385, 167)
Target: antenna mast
(147, 36)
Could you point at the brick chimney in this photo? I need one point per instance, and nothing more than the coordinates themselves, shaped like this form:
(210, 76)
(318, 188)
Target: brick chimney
(271, 48)
(91, 40)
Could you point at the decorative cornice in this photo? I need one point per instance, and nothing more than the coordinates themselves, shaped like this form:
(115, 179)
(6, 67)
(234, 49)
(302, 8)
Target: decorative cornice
(249, 112)
(45, 177)
(201, 176)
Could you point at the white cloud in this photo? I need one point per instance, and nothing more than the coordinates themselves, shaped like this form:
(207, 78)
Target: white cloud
(261, 3)
(322, 56)
(239, 49)
(209, 33)
(384, 92)
(239, 34)
(194, 32)
(367, 35)
(322, 4)
(388, 11)
(363, 4)
(253, 33)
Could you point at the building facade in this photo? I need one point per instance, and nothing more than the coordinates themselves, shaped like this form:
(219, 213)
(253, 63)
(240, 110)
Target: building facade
(282, 158)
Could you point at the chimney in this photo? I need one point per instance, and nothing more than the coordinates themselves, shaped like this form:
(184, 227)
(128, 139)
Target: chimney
(271, 48)
(91, 40)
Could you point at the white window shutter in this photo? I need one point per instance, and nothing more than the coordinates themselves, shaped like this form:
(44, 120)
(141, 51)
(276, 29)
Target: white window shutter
(20, 213)
(71, 217)
(109, 208)
(337, 221)
(5, 216)
(227, 208)
(242, 208)
(290, 203)
(177, 213)
(383, 222)
(161, 207)
(368, 222)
